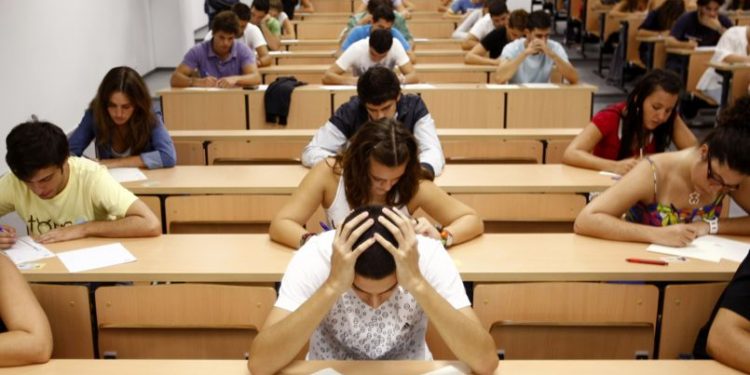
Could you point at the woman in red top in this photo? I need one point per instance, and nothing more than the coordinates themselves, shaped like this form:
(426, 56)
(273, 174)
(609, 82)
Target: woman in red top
(647, 122)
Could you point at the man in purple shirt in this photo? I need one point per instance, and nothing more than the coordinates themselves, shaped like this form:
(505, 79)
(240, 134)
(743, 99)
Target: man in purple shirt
(219, 62)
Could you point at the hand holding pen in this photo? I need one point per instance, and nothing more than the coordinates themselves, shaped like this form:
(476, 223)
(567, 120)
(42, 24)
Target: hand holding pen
(7, 236)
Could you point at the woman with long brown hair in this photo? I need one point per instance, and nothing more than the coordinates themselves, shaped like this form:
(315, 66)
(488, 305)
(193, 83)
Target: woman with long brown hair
(126, 129)
(380, 166)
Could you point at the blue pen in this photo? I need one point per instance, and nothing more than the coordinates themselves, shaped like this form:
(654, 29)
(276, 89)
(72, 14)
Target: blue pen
(324, 226)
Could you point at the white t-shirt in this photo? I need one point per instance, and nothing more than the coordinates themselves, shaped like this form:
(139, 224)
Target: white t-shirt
(252, 37)
(357, 57)
(354, 330)
(732, 42)
(482, 27)
(469, 21)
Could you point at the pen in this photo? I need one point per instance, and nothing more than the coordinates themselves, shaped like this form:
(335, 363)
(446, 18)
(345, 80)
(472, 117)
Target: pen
(647, 261)
(324, 226)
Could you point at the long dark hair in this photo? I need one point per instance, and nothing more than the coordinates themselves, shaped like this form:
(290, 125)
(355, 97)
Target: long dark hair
(728, 141)
(633, 132)
(389, 143)
(668, 12)
(127, 81)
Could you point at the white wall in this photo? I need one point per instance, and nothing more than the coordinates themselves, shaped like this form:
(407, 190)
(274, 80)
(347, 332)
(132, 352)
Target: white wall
(174, 24)
(56, 52)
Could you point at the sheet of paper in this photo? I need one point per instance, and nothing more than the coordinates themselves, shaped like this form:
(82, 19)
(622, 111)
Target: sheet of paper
(326, 371)
(421, 39)
(418, 86)
(203, 89)
(127, 174)
(262, 87)
(541, 85)
(705, 48)
(708, 248)
(447, 370)
(339, 87)
(27, 250)
(498, 86)
(95, 257)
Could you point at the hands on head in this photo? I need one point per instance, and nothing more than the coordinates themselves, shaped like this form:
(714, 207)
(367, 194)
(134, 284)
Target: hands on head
(348, 245)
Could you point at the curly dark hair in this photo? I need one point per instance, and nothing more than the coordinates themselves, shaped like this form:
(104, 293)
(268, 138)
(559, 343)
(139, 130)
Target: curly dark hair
(633, 134)
(728, 141)
(387, 142)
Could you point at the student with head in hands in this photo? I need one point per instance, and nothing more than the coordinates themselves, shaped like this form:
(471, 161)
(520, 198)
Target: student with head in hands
(531, 59)
(380, 166)
(366, 291)
(220, 62)
(674, 197)
(126, 129)
(62, 197)
(25, 335)
(620, 135)
(497, 39)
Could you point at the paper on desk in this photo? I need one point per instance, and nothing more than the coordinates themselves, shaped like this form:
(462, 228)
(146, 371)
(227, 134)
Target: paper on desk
(540, 85)
(447, 370)
(339, 87)
(95, 257)
(203, 89)
(27, 250)
(706, 48)
(127, 174)
(418, 86)
(708, 248)
(421, 39)
(501, 86)
(326, 371)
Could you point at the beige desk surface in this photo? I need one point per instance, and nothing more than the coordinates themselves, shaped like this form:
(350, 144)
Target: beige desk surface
(201, 91)
(319, 68)
(283, 135)
(489, 258)
(283, 179)
(651, 39)
(287, 42)
(571, 257)
(239, 367)
(686, 52)
(331, 52)
(729, 67)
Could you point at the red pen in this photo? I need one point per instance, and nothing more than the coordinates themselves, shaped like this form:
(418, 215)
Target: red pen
(647, 261)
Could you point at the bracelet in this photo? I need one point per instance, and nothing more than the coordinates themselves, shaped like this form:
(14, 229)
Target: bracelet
(446, 238)
(305, 237)
(713, 225)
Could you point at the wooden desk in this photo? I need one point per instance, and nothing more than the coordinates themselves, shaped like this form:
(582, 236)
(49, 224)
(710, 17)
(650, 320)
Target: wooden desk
(204, 108)
(544, 106)
(254, 258)
(694, 63)
(239, 367)
(327, 56)
(343, 17)
(736, 78)
(321, 44)
(437, 73)
(655, 51)
(284, 179)
(322, 29)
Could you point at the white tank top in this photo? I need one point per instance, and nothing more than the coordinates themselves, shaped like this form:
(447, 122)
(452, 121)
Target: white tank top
(339, 209)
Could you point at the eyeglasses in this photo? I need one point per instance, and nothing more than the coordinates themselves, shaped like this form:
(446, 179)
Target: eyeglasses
(716, 178)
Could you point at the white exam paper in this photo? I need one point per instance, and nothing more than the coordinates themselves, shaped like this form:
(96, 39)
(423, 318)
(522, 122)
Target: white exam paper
(27, 250)
(95, 257)
(708, 248)
(127, 174)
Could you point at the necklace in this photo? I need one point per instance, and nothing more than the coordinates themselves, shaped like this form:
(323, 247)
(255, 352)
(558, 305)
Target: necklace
(694, 198)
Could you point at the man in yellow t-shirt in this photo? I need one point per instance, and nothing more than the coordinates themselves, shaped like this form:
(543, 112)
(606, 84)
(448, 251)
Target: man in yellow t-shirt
(62, 198)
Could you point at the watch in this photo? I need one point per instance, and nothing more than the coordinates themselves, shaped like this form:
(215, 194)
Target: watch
(713, 225)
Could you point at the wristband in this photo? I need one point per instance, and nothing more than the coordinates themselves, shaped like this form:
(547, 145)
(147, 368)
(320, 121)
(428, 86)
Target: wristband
(305, 237)
(713, 225)
(446, 238)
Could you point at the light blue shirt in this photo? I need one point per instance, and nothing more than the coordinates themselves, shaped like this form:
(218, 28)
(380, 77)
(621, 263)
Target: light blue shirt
(362, 32)
(535, 68)
(463, 6)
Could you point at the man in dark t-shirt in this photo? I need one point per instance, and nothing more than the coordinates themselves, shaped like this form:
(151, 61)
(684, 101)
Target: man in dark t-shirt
(496, 40)
(726, 336)
(700, 28)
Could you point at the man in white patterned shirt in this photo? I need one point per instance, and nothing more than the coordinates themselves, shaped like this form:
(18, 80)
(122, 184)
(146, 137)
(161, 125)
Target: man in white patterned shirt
(366, 292)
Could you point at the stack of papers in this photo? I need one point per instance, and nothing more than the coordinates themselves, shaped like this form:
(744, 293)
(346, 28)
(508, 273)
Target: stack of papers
(27, 250)
(708, 248)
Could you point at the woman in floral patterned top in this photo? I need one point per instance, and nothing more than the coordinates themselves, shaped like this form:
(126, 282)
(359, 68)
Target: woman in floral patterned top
(672, 198)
